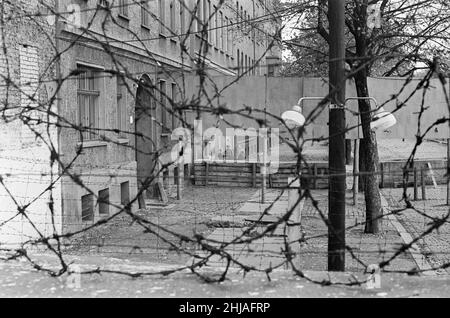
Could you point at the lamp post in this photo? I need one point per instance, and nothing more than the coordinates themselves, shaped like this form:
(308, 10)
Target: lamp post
(294, 119)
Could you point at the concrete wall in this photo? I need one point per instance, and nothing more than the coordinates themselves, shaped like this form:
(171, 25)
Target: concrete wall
(280, 94)
(25, 166)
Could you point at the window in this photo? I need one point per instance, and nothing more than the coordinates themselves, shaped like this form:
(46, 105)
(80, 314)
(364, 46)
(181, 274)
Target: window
(176, 175)
(121, 106)
(242, 70)
(145, 13)
(29, 87)
(244, 24)
(217, 22)
(198, 14)
(226, 41)
(172, 17)
(103, 202)
(182, 18)
(205, 11)
(162, 101)
(87, 207)
(174, 103)
(238, 63)
(103, 3)
(246, 64)
(186, 174)
(230, 38)
(125, 194)
(237, 11)
(271, 71)
(123, 8)
(165, 174)
(213, 26)
(222, 33)
(208, 18)
(88, 102)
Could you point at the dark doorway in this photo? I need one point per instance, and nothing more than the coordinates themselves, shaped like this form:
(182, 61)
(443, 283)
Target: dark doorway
(145, 136)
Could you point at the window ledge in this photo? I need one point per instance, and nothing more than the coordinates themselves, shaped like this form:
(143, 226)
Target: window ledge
(92, 144)
(124, 17)
(146, 27)
(201, 36)
(123, 141)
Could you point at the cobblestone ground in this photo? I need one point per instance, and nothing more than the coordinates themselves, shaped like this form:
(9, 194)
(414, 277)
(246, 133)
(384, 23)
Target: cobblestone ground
(436, 245)
(367, 248)
(267, 252)
(121, 238)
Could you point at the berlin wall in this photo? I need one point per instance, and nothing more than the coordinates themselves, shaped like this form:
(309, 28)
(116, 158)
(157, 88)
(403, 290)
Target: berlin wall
(278, 94)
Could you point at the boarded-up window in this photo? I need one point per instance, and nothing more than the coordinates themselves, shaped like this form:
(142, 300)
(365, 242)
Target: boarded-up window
(29, 97)
(87, 207)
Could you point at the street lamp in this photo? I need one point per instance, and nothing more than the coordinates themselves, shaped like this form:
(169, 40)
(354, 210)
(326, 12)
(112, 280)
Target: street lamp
(294, 119)
(382, 120)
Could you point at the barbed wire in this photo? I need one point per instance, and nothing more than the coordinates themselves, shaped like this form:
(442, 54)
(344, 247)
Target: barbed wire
(186, 227)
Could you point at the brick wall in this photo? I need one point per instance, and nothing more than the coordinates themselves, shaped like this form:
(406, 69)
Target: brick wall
(26, 67)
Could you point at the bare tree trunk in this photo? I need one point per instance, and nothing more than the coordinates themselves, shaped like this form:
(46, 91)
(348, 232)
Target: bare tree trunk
(369, 155)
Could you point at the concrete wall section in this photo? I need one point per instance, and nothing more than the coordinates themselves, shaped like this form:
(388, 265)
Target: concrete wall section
(280, 94)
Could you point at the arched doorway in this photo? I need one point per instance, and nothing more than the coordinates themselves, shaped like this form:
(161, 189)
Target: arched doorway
(146, 145)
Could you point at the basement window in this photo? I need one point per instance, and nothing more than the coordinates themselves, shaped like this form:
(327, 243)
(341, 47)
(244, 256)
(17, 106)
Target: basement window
(187, 174)
(103, 202)
(87, 207)
(125, 194)
(176, 173)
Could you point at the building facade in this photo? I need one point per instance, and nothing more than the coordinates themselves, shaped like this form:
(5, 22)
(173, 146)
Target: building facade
(112, 73)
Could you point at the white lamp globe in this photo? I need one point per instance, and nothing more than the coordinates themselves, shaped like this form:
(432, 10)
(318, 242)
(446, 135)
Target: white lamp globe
(293, 118)
(382, 120)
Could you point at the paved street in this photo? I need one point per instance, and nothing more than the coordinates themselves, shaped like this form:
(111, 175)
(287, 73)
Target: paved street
(436, 245)
(122, 238)
(265, 252)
